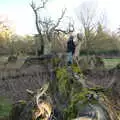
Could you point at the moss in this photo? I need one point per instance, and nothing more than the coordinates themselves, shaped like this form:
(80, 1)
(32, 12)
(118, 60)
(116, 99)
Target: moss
(97, 89)
(76, 69)
(63, 81)
(81, 96)
(101, 90)
(74, 92)
(70, 112)
(76, 98)
(55, 61)
(76, 87)
(61, 72)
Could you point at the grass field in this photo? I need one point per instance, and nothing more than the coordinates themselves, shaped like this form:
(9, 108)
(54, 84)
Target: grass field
(111, 63)
(5, 107)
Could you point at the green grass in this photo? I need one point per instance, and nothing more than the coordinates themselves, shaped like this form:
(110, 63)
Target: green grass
(111, 63)
(5, 107)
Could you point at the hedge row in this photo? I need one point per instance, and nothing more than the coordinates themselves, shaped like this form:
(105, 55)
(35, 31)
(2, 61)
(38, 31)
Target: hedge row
(109, 52)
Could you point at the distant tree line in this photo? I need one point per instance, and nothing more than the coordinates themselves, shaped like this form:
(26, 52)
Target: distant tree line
(51, 38)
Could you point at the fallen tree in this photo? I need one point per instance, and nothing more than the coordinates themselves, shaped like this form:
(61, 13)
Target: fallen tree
(67, 97)
(67, 94)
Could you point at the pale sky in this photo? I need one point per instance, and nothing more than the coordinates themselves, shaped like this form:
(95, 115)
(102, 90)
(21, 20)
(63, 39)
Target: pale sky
(21, 16)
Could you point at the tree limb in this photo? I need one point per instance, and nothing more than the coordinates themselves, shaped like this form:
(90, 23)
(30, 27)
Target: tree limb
(33, 5)
(36, 9)
(63, 31)
(59, 20)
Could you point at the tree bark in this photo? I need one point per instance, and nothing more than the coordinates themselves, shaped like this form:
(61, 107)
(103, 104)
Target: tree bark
(41, 52)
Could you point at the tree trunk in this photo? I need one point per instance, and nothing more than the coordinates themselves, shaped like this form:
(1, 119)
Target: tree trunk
(41, 52)
(42, 47)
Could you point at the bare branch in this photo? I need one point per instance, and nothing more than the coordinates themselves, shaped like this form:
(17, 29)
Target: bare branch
(46, 23)
(59, 20)
(71, 25)
(41, 92)
(35, 8)
(63, 31)
(30, 92)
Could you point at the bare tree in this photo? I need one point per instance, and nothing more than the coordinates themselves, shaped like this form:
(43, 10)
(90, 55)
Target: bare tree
(36, 10)
(87, 18)
(46, 27)
(91, 20)
(118, 31)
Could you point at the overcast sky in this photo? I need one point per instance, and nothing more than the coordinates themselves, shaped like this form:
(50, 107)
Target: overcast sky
(22, 18)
